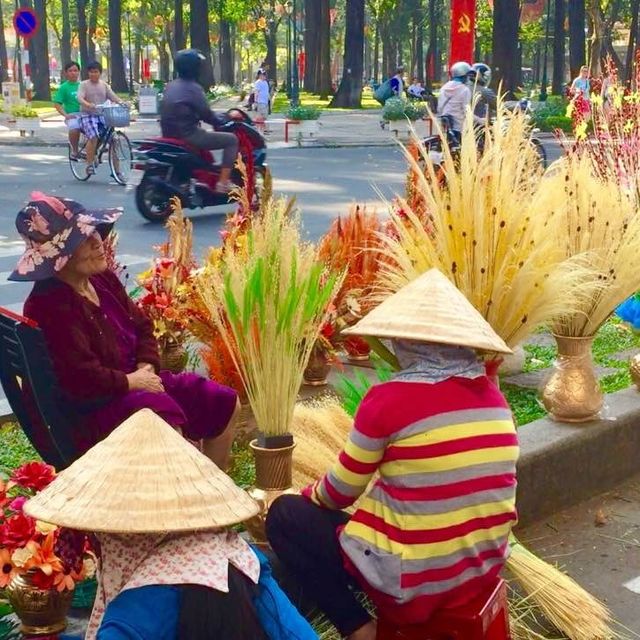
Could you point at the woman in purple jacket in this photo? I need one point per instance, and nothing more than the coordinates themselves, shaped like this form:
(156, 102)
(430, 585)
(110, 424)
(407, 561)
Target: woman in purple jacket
(101, 344)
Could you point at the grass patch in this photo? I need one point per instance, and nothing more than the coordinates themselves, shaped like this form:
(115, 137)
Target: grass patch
(16, 448)
(613, 337)
(281, 101)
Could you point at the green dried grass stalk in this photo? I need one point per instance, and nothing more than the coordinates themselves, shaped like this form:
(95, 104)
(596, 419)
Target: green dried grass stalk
(269, 306)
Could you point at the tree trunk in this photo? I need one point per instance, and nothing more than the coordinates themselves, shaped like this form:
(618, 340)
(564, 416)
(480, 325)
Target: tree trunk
(376, 53)
(226, 53)
(324, 50)
(4, 60)
(93, 25)
(65, 39)
(312, 45)
(432, 51)
(577, 19)
(420, 47)
(506, 16)
(39, 55)
(271, 42)
(633, 43)
(179, 38)
(558, 48)
(199, 31)
(349, 92)
(118, 76)
(81, 6)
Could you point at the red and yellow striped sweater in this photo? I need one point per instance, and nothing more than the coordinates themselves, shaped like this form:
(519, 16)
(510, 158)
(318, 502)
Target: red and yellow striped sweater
(433, 529)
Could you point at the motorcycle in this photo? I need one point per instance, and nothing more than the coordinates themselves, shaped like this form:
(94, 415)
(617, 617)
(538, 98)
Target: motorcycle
(433, 144)
(168, 167)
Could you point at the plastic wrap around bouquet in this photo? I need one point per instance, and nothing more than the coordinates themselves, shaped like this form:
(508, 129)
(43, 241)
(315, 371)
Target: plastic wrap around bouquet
(629, 312)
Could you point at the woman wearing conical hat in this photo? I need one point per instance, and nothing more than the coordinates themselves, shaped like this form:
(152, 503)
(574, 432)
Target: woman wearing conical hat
(431, 531)
(169, 568)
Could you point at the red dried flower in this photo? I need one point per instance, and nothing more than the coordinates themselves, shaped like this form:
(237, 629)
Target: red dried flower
(17, 531)
(42, 580)
(33, 475)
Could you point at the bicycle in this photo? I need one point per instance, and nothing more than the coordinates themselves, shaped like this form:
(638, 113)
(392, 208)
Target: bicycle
(114, 143)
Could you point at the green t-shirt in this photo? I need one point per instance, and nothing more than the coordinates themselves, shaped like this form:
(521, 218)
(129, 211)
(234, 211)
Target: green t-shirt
(67, 96)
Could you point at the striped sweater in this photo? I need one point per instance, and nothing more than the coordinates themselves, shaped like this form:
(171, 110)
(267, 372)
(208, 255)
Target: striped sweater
(433, 529)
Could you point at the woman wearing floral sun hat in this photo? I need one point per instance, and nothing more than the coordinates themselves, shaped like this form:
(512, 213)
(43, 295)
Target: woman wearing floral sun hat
(169, 568)
(432, 530)
(101, 344)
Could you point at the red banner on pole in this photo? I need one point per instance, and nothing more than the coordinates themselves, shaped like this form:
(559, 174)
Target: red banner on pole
(463, 24)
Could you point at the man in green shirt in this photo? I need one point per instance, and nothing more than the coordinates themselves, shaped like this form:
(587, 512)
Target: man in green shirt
(67, 105)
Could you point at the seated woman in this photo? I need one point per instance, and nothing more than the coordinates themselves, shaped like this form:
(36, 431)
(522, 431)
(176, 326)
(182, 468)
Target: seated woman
(432, 530)
(101, 344)
(169, 569)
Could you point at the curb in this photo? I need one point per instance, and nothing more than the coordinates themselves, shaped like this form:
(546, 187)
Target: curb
(562, 464)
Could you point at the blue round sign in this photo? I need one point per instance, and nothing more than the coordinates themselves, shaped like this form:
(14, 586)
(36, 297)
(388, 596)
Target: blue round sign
(25, 22)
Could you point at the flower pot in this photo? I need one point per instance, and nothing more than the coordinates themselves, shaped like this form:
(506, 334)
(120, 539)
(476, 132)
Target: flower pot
(317, 371)
(358, 349)
(274, 476)
(173, 357)
(572, 392)
(42, 612)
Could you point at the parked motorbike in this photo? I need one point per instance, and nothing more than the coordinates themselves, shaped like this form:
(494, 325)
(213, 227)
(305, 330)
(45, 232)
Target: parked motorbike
(168, 167)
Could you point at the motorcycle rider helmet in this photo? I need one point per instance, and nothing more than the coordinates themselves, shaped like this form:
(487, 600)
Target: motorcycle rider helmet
(460, 69)
(481, 73)
(188, 63)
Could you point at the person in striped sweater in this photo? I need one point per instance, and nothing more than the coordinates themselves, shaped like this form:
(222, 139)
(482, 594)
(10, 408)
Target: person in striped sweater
(430, 462)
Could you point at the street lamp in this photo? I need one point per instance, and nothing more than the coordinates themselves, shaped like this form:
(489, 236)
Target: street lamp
(543, 88)
(295, 91)
(128, 17)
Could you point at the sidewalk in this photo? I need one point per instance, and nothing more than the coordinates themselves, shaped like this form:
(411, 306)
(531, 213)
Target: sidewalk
(337, 129)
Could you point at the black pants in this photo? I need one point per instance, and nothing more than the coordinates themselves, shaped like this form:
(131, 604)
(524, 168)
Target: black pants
(304, 538)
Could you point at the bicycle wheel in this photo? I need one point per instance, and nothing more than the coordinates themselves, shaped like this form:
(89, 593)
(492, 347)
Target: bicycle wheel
(79, 165)
(120, 157)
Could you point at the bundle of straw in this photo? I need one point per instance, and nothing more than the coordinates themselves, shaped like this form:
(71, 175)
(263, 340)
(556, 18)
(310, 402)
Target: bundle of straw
(561, 600)
(268, 306)
(321, 430)
(599, 218)
(485, 232)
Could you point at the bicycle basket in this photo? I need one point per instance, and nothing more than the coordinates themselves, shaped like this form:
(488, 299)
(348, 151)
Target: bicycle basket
(116, 116)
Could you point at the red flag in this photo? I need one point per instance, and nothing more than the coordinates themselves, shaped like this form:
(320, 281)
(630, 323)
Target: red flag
(463, 22)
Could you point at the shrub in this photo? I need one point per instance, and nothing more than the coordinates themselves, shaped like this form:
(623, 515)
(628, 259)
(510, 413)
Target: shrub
(400, 109)
(554, 106)
(24, 112)
(303, 113)
(551, 123)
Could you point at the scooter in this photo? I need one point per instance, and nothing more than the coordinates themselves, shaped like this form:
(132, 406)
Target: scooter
(168, 167)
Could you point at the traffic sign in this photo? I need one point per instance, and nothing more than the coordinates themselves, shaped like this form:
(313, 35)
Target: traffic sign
(25, 22)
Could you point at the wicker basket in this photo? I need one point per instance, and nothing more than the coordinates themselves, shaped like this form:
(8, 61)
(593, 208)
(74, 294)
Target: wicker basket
(116, 116)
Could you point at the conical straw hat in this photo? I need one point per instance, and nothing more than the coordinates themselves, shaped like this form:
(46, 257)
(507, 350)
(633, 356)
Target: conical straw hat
(143, 478)
(430, 309)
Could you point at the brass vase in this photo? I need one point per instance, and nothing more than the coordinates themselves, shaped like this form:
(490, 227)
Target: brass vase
(42, 612)
(173, 357)
(572, 393)
(318, 368)
(357, 348)
(274, 476)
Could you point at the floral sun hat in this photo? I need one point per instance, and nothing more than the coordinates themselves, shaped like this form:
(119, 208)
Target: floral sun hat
(53, 228)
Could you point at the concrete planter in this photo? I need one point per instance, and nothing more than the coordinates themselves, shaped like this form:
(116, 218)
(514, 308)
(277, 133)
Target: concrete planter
(27, 124)
(308, 130)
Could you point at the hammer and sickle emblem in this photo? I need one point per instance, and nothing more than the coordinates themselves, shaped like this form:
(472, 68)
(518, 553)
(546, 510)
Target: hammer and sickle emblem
(464, 23)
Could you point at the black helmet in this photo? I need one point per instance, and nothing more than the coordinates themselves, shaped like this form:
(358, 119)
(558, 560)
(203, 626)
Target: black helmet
(187, 63)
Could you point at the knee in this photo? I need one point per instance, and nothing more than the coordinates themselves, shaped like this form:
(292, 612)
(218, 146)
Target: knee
(280, 519)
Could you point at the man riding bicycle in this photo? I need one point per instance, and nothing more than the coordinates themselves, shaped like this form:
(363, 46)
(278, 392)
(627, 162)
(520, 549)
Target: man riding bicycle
(184, 106)
(91, 93)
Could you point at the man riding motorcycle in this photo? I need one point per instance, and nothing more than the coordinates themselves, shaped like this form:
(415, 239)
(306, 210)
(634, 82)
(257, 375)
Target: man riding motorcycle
(184, 106)
(486, 104)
